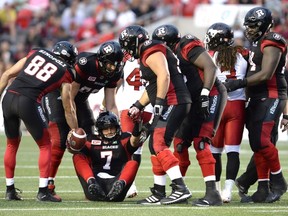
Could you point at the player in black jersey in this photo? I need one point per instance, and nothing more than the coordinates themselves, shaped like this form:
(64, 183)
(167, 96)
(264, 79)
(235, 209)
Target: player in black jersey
(100, 70)
(37, 74)
(167, 92)
(208, 101)
(104, 166)
(267, 91)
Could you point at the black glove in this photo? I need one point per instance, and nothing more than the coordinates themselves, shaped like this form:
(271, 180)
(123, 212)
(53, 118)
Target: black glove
(204, 106)
(135, 111)
(158, 107)
(232, 85)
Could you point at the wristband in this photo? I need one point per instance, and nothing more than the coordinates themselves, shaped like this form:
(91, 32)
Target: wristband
(138, 105)
(205, 91)
(160, 101)
(285, 117)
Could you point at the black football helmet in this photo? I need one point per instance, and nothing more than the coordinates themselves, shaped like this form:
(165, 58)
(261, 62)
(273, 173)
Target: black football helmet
(66, 51)
(257, 22)
(105, 120)
(110, 57)
(130, 39)
(218, 34)
(167, 33)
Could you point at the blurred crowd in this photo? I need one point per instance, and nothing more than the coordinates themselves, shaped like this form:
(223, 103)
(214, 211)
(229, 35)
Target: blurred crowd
(40, 23)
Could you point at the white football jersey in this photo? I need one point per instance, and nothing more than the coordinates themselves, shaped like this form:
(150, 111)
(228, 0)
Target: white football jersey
(132, 87)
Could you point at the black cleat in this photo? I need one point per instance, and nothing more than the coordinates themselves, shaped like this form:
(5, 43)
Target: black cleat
(47, 197)
(95, 189)
(211, 198)
(278, 187)
(51, 189)
(13, 194)
(180, 193)
(242, 190)
(153, 199)
(260, 195)
(116, 189)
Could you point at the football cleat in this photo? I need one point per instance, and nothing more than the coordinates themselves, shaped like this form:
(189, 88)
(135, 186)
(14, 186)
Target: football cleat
(211, 198)
(180, 193)
(278, 187)
(13, 194)
(47, 197)
(242, 190)
(132, 192)
(116, 190)
(95, 189)
(226, 196)
(51, 189)
(153, 199)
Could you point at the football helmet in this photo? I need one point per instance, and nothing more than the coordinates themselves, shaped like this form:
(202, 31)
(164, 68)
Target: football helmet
(106, 120)
(130, 39)
(167, 33)
(66, 51)
(257, 22)
(218, 34)
(110, 58)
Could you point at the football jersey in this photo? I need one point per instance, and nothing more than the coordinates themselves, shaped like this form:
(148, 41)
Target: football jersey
(238, 72)
(109, 158)
(87, 64)
(132, 87)
(42, 73)
(177, 91)
(276, 86)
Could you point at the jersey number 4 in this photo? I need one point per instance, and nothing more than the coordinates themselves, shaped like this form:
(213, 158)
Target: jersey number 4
(134, 79)
(41, 69)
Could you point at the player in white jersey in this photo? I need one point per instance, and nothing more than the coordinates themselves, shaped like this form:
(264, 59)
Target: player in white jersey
(232, 65)
(130, 88)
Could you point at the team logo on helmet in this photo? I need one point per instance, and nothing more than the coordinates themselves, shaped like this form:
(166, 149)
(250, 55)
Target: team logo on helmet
(108, 49)
(82, 61)
(124, 34)
(160, 32)
(147, 43)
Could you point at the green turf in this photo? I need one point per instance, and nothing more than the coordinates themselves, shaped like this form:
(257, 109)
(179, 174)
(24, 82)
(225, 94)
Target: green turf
(74, 203)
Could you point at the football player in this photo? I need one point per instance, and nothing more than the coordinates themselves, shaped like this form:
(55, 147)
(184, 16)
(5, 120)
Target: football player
(100, 70)
(37, 74)
(167, 92)
(208, 101)
(267, 91)
(104, 166)
(232, 62)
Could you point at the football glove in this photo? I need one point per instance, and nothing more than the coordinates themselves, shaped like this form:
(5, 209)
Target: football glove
(135, 111)
(232, 85)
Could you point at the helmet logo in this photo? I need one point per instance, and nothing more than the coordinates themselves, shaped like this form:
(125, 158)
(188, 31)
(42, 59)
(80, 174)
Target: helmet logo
(214, 32)
(160, 32)
(108, 49)
(147, 43)
(189, 36)
(65, 53)
(124, 34)
(276, 36)
(260, 13)
(82, 61)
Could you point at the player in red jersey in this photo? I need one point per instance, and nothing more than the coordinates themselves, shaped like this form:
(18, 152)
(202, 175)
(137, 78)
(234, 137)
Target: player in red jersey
(208, 101)
(130, 88)
(104, 166)
(167, 92)
(37, 74)
(232, 62)
(100, 70)
(267, 92)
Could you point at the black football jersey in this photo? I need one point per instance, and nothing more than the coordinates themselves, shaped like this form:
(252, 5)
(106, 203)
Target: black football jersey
(94, 80)
(42, 73)
(109, 158)
(276, 86)
(188, 50)
(177, 92)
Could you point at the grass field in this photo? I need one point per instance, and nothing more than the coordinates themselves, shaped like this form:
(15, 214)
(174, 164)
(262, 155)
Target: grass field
(74, 203)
